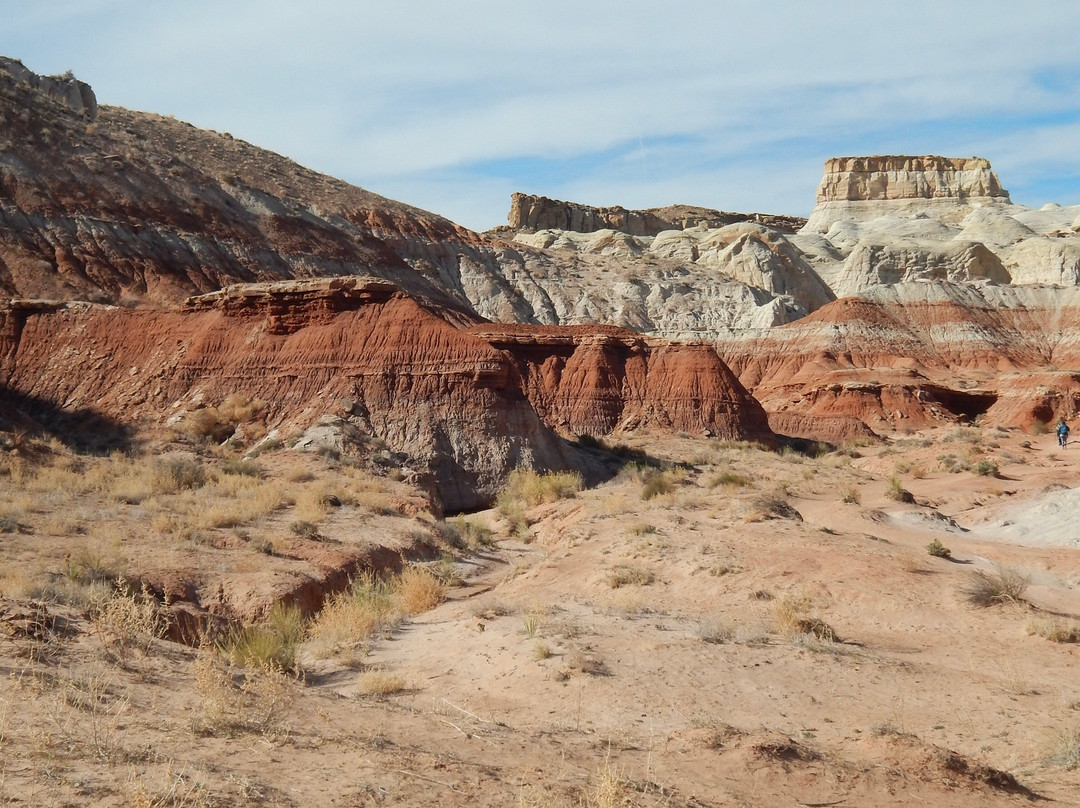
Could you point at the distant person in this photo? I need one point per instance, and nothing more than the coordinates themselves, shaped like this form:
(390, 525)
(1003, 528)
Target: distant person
(1063, 433)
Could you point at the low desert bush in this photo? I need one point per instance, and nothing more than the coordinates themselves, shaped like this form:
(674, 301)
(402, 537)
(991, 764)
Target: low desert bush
(772, 505)
(1000, 585)
(231, 701)
(351, 618)
(851, 496)
(938, 550)
(715, 630)
(244, 468)
(305, 530)
(626, 575)
(659, 483)
(220, 422)
(464, 534)
(793, 619)
(985, 467)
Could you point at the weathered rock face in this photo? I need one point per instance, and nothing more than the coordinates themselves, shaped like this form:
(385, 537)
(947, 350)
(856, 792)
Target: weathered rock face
(891, 177)
(466, 410)
(596, 380)
(531, 213)
(920, 353)
(76, 95)
(430, 390)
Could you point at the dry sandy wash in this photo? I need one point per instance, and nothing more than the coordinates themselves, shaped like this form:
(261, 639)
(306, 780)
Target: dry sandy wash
(745, 627)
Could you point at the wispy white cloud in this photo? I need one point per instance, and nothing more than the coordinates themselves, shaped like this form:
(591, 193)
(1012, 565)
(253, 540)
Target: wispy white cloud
(452, 106)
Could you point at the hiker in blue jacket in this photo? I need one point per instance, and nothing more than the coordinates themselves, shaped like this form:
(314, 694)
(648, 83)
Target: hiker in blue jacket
(1063, 433)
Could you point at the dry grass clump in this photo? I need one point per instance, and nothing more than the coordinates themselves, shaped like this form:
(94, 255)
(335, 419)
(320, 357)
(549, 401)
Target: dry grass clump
(271, 644)
(231, 502)
(533, 488)
(379, 682)
(715, 630)
(313, 502)
(373, 605)
(1000, 585)
(464, 534)
(627, 575)
(793, 619)
(729, 479)
(659, 483)
(419, 590)
(220, 422)
(1065, 748)
(1055, 630)
(353, 617)
(126, 619)
(851, 496)
(233, 701)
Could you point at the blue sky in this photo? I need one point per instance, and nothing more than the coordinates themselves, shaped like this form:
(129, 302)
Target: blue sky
(453, 106)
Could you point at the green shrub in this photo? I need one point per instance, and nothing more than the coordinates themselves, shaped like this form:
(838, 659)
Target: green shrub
(938, 550)
(897, 492)
(987, 468)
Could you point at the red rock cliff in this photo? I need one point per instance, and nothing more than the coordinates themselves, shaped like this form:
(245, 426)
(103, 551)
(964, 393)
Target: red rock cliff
(600, 379)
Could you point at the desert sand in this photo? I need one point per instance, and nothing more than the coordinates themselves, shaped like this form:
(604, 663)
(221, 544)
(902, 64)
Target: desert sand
(767, 629)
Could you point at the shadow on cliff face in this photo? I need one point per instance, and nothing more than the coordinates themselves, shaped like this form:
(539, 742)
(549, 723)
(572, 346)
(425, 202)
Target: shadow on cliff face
(84, 430)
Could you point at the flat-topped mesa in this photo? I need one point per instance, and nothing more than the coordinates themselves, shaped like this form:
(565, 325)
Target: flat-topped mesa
(863, 188)
(531, 213)
(850, 179)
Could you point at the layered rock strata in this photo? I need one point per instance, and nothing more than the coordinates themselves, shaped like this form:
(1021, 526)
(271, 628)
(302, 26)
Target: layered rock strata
(917, 353)
(467, 405)
(595, 380)
(531, 213)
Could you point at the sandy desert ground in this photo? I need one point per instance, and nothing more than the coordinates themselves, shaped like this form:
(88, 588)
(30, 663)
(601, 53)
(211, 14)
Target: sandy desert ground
(737, 627)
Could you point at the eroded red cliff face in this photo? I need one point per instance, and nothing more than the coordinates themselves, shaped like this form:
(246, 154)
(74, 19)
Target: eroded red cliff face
(597, 380)
(919, 354)
(470, 403)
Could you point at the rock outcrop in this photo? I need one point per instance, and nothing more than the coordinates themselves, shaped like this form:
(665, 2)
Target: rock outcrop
(76, 95)
(596, 380)
(531, 213)
(467, 405)
(938, 188)
(914, 354)
(890, 177)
